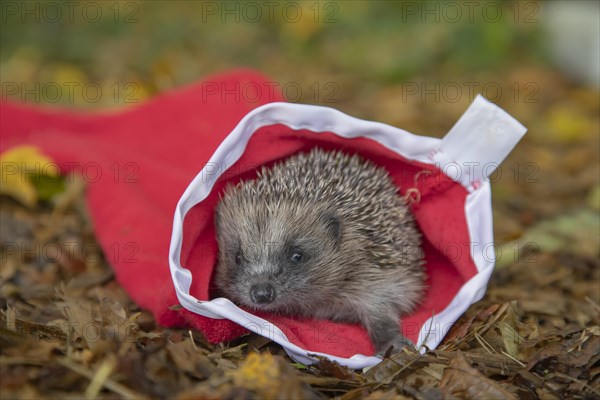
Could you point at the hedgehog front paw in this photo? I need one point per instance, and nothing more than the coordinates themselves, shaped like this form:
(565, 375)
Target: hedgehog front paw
(387, 337)
(395, 346)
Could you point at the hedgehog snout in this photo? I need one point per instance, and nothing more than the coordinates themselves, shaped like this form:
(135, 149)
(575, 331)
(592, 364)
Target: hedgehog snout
(262, 293)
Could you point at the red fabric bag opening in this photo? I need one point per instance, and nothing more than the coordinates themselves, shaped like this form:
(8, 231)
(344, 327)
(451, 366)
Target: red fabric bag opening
(439, 213)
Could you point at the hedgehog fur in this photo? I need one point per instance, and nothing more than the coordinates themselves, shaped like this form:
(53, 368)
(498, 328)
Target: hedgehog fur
(325, 235)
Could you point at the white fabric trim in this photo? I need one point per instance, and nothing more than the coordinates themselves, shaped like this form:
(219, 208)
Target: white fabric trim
(478, 212)
(503, 134)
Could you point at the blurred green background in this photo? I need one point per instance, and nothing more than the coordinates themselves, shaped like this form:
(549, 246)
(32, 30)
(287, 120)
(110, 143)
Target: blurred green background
(416, 65)
(366, 49)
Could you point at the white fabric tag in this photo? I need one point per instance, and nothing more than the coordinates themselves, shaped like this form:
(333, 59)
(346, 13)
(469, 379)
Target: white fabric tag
(478, 142)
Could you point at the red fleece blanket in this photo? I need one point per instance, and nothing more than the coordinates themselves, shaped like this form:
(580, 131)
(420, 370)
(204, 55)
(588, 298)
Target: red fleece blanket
(140, 160)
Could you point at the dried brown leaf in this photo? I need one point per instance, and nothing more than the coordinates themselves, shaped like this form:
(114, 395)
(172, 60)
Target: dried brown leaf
(187, 357)
(333, 369)
(585, 354)
(464, 381)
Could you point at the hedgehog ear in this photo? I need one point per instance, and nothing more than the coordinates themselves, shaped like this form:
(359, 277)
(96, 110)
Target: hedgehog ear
(334, 225)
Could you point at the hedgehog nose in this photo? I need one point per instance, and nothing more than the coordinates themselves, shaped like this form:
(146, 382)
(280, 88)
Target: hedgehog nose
(262, 293)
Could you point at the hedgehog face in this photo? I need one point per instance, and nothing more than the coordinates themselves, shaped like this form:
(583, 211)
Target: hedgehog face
(275, 258)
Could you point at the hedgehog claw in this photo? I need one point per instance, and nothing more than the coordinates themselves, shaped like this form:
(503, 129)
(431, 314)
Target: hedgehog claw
(395, 347)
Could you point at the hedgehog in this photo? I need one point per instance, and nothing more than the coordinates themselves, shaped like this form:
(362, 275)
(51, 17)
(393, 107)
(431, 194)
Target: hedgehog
(324, 235)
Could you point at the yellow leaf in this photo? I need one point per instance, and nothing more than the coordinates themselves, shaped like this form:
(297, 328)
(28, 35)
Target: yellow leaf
(31, 160)
(568, 125)
(260, 373)
(68, 74)
(593, 198)
(301, 21)
(510, 336)
(19, 189)
(19, 165)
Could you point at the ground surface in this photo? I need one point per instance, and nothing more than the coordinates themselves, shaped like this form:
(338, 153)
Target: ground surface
(534, 335)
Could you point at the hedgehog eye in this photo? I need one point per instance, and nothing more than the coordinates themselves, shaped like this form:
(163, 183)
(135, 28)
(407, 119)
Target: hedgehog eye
(296, 256)
(238, 258)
